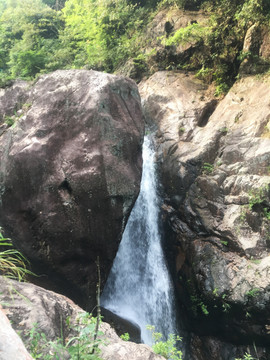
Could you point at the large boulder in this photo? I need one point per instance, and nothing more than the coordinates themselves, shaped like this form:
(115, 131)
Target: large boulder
(69, 175)
(42, 317)
(214, 163)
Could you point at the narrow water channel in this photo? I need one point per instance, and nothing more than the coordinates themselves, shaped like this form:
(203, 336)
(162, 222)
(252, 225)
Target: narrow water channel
(139, 287)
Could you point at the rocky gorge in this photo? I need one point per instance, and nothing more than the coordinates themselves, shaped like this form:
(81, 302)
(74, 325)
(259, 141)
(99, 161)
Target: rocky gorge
(214, 163)
(70, 170)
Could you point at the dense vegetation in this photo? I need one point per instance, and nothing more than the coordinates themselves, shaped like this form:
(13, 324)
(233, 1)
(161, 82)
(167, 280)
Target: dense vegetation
(41, 36)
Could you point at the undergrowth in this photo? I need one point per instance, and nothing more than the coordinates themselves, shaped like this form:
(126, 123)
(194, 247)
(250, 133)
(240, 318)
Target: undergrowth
(168, 348)
(84, 345)
(13, 264)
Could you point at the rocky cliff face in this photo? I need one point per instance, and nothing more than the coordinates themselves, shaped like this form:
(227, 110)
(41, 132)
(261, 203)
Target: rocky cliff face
(214, 162)
(69, 174)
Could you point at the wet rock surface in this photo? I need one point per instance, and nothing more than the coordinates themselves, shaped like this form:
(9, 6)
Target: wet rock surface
(214, 161)
(69, 174)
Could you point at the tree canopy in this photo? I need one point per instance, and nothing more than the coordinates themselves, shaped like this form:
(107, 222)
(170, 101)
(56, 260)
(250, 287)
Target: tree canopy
(39, 36)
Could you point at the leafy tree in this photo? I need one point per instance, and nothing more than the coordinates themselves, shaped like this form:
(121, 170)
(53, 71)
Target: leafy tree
(55, 4)
(29, 33)
(40, 36)
(102, 33)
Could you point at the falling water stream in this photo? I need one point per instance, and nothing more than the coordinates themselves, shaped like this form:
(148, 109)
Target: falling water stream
(139, 287)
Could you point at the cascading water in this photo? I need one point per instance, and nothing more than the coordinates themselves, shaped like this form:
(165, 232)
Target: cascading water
(139, 287)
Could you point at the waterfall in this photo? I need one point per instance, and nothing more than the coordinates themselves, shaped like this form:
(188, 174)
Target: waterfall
(139, 287)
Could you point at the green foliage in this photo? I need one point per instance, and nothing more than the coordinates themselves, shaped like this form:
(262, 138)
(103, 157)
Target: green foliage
(82, 346)
(204, 308)
(29, 35)
(181, 130)
(259, 196)
(253, 293)
(125, 336)
(207, 168)
(225, 305)
(215, 292)
(9, 120)
(220, 42)
(205, 74)
(190, 34)
(168, 348)
(255, 261)
(182, 4)
(224, 130)
(244, 55)
(246, 357)
(140, 62)
(41, 348)
(40, 36)
(251, 12)
(166, 3)
(258, 201)
(26, 63)
(55, 4)
(266, 213)
(12, 262)
(197, 303)
(103, 33)
(224, 242)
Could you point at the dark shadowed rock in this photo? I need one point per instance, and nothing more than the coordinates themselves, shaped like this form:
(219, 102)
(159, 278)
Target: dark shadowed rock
(69, 174)
(122, 326)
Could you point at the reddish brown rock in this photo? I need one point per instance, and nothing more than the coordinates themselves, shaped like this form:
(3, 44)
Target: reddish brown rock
(69, 175)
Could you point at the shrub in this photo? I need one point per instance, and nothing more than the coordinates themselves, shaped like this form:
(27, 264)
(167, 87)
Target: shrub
(82, 346)
(207, 168)
(191, 33)
(12, 262)
(246, 357)
(125, 337)
(167, 348)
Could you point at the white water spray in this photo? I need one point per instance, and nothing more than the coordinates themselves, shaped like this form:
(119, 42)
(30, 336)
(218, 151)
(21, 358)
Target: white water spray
(139, 287)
